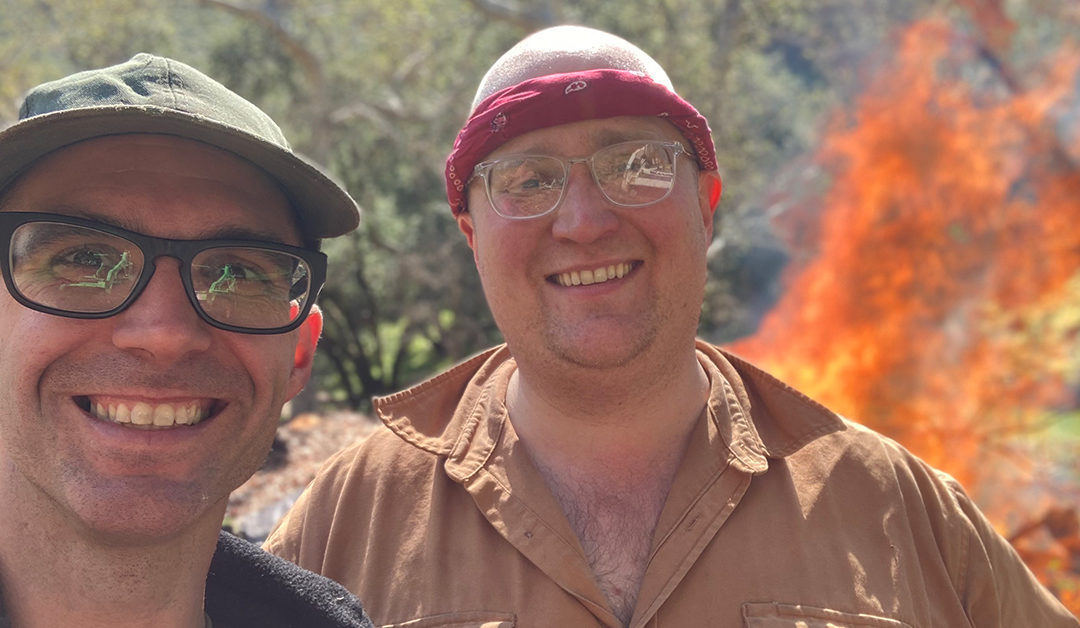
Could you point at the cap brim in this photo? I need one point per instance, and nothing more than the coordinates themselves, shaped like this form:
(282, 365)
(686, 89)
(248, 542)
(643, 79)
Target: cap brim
(324, 208)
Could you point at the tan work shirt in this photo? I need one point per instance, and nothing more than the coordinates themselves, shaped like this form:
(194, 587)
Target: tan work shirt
(781, 514)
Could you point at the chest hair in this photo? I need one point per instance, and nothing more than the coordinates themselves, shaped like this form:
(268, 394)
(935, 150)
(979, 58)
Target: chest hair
(614, 519)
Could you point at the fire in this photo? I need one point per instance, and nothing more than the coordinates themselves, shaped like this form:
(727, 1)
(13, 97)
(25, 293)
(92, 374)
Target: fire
(938, 298)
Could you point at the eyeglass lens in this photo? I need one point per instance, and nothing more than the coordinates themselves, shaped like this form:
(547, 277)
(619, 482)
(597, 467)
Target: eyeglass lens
(630, 174)
(82, 270)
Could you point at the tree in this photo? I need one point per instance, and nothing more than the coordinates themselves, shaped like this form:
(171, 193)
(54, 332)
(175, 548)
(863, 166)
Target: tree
(377, 90)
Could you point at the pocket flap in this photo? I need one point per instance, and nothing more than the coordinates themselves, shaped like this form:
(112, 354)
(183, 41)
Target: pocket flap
(776, 615)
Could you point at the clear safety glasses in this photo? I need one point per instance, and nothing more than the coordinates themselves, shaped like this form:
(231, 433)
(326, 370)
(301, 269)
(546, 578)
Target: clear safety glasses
(629, 174)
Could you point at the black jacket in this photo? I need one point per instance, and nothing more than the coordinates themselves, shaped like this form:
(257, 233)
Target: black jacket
(248, 588)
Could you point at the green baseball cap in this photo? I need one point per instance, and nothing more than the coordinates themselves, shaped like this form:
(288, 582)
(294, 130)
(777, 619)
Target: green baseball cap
(151, 94)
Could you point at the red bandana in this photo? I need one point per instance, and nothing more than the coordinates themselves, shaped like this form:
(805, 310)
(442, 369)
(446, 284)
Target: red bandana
(557, 99)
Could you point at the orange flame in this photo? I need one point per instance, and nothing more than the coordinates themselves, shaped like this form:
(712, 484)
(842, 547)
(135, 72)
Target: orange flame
(934, 303)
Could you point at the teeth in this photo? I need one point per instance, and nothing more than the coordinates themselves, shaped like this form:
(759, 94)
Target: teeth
(596, 275)
(141, 414)
(146, 415)
(164, 415)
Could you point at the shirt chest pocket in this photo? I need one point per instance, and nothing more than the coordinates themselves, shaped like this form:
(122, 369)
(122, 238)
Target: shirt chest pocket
(774, 615)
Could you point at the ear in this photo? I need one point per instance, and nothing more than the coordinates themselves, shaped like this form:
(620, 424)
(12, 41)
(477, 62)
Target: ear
(465, 223)
(307, 337)
(710, 187)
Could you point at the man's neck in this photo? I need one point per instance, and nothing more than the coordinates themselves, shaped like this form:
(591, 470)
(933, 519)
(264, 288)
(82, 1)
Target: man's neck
(55, 574)
(644, 410)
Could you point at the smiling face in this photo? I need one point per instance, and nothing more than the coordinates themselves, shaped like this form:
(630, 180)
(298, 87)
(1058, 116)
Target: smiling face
(76, 395)
(592, 284)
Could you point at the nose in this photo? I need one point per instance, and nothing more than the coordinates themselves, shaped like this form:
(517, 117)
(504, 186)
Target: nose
(584, 215)
(162, 323)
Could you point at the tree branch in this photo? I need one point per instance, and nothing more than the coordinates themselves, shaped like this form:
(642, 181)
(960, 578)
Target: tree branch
(530, 19)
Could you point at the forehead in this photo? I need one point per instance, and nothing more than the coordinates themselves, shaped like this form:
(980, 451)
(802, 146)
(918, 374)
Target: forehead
(586, 136)
(156, 184)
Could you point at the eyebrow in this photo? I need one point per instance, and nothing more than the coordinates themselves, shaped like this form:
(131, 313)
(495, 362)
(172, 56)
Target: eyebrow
(597, 139)
(224, 233)
(609, 136)
(38, 238)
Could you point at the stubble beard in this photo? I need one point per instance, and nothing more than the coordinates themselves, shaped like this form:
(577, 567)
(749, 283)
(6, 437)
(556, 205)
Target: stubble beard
(573, 346)
(570, 342)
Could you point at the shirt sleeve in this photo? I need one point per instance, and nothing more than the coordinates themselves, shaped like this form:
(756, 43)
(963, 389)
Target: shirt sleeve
(301, 536)
(998, 589)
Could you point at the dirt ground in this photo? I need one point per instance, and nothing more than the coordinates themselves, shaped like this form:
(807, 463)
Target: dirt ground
(302, 444)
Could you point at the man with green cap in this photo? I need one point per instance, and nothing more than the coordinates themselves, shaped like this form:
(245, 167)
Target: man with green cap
(160, 252)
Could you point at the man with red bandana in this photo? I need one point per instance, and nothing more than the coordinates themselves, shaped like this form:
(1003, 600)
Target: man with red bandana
(159, 248)
(604, 467)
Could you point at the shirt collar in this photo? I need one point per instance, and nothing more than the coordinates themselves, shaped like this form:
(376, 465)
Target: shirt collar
(461, 412)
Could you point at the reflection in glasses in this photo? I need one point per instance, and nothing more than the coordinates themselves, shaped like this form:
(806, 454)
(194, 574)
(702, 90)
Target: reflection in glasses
(84, 269)
(628, 174)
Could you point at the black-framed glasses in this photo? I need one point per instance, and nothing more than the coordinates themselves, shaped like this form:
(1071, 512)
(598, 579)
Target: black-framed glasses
(629, 174)
(80, 268)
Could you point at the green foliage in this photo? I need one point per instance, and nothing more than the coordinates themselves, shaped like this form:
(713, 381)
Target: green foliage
(377, 90)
